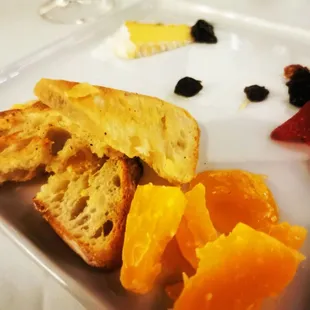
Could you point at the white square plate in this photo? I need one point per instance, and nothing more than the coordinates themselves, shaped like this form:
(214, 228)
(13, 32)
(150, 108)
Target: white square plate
(254, 46)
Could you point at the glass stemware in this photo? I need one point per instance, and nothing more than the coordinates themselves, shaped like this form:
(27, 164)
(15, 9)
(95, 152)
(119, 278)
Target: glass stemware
(74, 11)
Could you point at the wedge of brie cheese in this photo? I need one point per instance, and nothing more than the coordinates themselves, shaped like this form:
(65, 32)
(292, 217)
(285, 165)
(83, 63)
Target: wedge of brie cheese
(135, 40)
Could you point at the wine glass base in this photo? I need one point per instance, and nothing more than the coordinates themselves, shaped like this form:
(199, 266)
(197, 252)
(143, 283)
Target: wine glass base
(74, 11)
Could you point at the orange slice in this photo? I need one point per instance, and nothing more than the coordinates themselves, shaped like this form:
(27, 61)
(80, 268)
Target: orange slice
(173, 291)
(292, 236)
(235, 196)
(196, 228)
(174, 264)
(239, 271)
(153, 220)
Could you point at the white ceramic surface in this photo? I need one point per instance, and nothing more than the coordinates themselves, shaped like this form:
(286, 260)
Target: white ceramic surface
(250, 50)
(24, 284)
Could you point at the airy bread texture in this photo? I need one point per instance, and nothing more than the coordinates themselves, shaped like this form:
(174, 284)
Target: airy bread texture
(31, 119)
(88, 209)
(22, 159)
(87, 198)
(165, 136)
(34, 139)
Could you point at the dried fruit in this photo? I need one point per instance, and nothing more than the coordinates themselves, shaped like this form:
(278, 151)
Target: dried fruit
(153, 220)
(188, 87)
(298, 84)
(290, 70)
(235, 196)
(173, 291)
(256, 93)
(292, 236)
(174, 264)
(296, 129)
(239, 271)
(203, 32)
(196, 228)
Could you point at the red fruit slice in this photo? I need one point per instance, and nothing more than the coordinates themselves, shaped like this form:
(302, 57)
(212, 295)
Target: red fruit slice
(296, 129)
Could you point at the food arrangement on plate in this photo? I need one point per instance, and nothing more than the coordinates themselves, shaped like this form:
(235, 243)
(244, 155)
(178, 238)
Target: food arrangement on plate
(219, 232)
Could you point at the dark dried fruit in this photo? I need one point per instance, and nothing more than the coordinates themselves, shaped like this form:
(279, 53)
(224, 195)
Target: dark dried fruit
(256, 93)
(296, 129)
(203, 32)
(298, 85)
(188, 87)
(290, 70)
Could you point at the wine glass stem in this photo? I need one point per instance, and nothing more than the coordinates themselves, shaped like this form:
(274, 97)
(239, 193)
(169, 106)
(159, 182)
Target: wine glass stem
(75, 11)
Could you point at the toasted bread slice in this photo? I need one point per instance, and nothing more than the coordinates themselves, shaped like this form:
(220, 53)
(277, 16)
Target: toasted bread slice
(41, 133)
(22, 159)
(74, 153)
(31, 119)
(165, 136)
(88, 209)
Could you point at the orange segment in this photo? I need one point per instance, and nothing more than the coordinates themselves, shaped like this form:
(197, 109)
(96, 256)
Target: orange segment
(239, 271)
(235, 196)
(173, 291)
(153, 220)
(196, 228)
(256, 306)
(174, 264)
(292, 236)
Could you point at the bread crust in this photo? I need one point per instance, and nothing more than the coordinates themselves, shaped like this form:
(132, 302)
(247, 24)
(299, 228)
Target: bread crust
(150, 128)
(109, 257)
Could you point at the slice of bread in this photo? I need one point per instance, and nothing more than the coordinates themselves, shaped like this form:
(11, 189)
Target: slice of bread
(34, 136)
(31, 119)
(88, 209)
(23, 159)
(165, 136)
(74, 152)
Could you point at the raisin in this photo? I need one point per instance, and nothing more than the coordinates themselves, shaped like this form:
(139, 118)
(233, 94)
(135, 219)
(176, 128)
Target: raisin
(203, 32)
(188, 87)
(299, 86)
(256, 93)
(290, 70)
